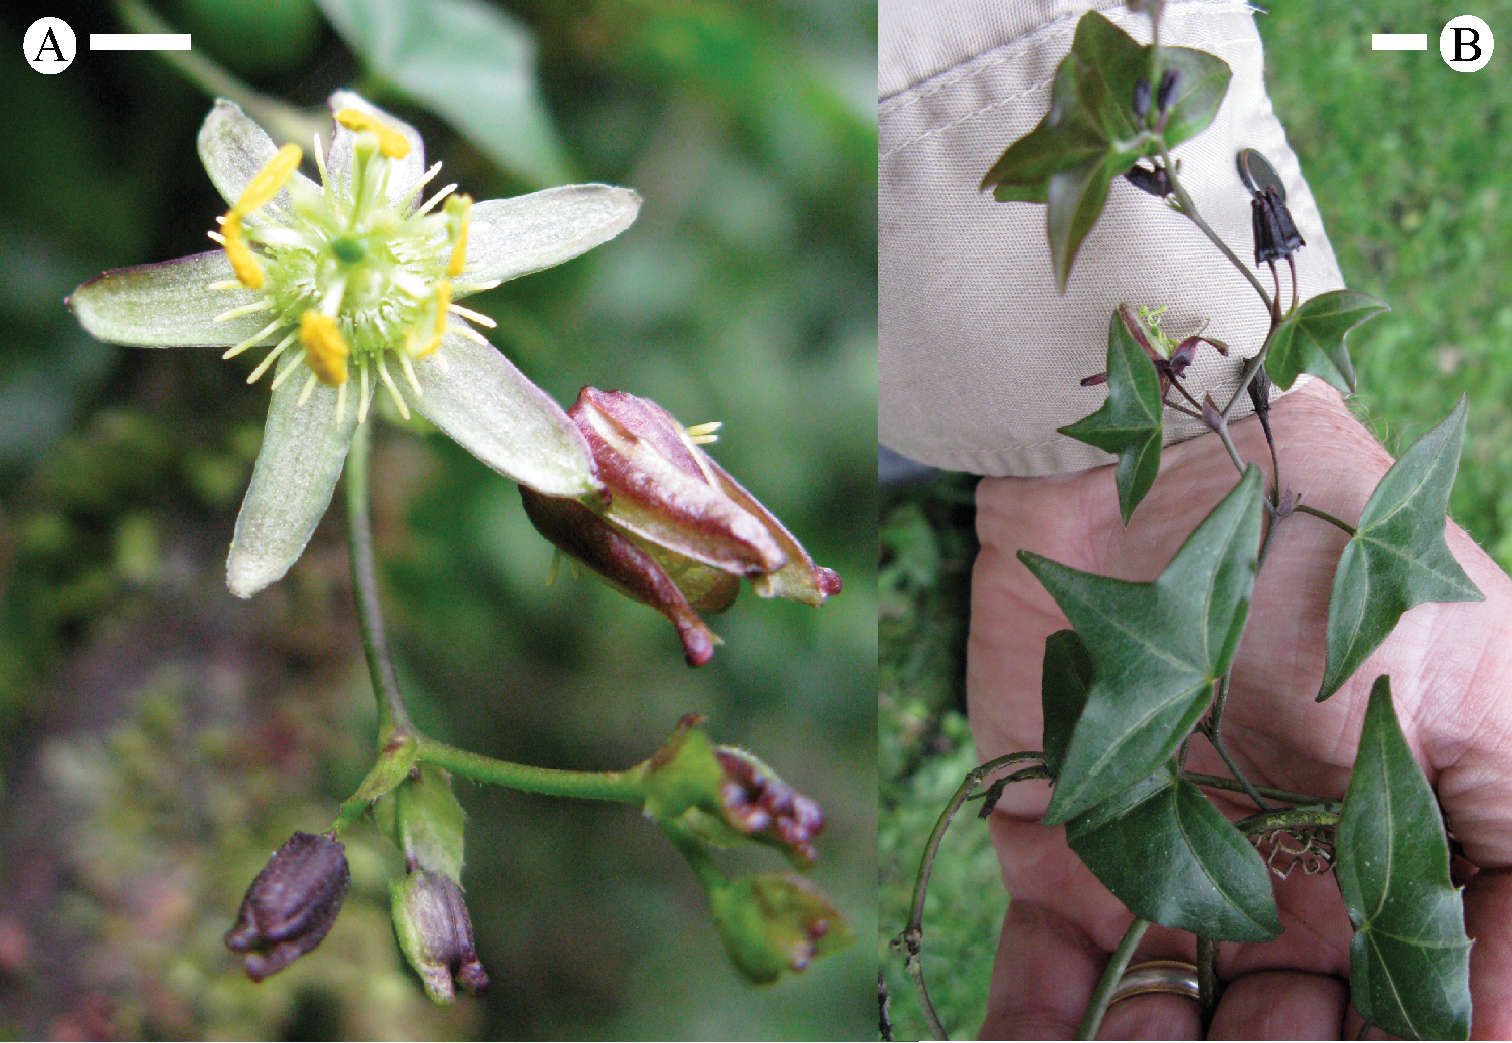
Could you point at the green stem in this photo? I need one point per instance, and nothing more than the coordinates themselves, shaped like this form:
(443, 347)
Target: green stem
(393, 719)
(1189, 209)
(1338, 523)
(1290, 796)
(1287, 818)
(282, 121)
(1112, 974)
(1249, 790)
(625, 787)
(1207, 981)
(912, 937)
(696, 854)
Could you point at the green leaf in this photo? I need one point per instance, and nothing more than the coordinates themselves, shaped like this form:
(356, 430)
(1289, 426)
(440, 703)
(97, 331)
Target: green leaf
(1409, 961)
(1156, 649)
(1128, 423)
(1064, 680)
(1090, 135)
(471, 63)
(1311, 339)
(1171, 857)
(1397, 557)
(1203, 82)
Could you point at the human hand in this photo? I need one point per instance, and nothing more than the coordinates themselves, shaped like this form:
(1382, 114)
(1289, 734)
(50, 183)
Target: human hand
(1449, 665)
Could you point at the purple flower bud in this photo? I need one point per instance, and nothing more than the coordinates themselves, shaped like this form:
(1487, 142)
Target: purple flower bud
(291, 904)
(1141, 98)
(677, 531)
(1153, 181)
(1168, 81)
(760, 805)
(435, 931)
(1276, 235)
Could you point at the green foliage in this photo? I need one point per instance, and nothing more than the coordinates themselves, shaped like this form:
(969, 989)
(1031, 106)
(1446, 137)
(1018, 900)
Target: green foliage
(1091, 134)
(1129, 422)
(1397, 557)
(1064, 683)
(1172, 858)
(1311, 339)
(1156, 648)
(1410, 960)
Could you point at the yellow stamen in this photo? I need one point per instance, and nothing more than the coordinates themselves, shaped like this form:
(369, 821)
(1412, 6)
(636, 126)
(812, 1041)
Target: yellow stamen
(248, 272)
(390, 142)
(443, 301)
(325, 350)
(463, 209)
(269, 181)
(704, 434)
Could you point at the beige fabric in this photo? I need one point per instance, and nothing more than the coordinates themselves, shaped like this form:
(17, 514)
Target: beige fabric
(980, 358)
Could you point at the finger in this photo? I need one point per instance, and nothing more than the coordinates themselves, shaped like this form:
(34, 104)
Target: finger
(1044, 974)
(1488, 917)
(1152, 1016)
(1281, 1005)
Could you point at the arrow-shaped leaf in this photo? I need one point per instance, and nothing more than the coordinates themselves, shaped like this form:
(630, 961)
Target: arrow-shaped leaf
(1128, 423)
(1409, 962)
(1091, 135)
(1311, 339)
(1064, 680)
(1156, 649)
(1171, 857)
(1397, 557)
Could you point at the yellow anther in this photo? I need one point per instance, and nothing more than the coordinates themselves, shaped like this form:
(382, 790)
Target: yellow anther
(390, 142)
(443, 302)
(704, 434)
(268, 181)
(325, 350)
(462, 207)
(248, 272)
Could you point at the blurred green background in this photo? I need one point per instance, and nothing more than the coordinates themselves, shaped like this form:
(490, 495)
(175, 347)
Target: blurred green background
(1411, 164)
(158, 737)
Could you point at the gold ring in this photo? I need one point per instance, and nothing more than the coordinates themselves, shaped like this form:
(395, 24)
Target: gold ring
(1169, 976)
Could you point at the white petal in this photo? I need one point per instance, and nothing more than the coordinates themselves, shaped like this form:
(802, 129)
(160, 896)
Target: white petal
(303, 450)
(233, 149)
(167, 305)
(512, 237)
(492, 410)
(402, 172)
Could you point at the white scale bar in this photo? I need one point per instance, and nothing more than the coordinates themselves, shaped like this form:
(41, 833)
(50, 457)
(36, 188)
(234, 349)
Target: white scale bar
(139, 41)
(1399, 41)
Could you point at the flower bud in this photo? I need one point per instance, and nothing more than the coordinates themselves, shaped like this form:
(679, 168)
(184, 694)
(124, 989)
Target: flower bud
(775, 922)
(1276, 235)
(677, 531)
(1141, 104)
(1154, 181)
(291, 904)
(1167, 89)
(435, 933)
(759, 804)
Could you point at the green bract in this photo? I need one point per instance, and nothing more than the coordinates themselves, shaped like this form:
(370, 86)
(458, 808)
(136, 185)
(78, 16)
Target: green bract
(358, 274)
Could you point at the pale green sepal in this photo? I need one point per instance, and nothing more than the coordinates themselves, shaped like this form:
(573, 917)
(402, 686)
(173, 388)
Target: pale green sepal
(233, 149)
(488, 407)
(167, 305)
(303, 450)
(513, 237)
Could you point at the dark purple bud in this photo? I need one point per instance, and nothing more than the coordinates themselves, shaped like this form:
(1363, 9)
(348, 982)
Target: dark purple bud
(1153, 181)
(435, 931)
(1141, 98)
(1167, 91)
(1094, 380)
(1212, 416)
(760, 805)
(1276, 235)
(291, 904)
(1288, 502)
(1260, 393)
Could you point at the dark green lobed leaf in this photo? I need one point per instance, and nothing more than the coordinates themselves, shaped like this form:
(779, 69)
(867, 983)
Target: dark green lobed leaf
(1129, 422)
(1311, 339)
(1171, 857)
(1398, 557)
(1064, 680)
(1156, 649)
(1410, 958)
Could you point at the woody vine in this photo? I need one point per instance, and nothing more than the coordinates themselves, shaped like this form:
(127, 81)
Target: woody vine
(1143, 674)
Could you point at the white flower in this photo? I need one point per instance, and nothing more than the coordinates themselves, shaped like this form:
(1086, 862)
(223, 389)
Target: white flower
(349, 284)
